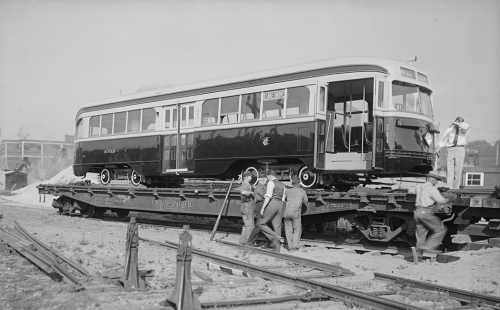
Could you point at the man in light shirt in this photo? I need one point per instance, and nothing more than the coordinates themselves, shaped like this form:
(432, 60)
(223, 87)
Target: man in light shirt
(454, 140)
(427, 196)
(270, 212)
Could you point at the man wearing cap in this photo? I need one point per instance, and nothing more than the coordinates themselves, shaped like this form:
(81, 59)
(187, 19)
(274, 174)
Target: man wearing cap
(295, 198)
(247, 207)
(427, 196)
(270, 211)
(454, 140)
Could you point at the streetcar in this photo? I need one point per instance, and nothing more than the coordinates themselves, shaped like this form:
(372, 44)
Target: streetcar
(333, 123)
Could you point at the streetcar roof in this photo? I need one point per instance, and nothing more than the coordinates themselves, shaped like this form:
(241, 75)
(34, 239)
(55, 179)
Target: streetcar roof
(372, 64)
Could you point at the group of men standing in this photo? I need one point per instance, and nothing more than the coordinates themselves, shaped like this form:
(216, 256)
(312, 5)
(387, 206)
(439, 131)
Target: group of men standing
(278, 203)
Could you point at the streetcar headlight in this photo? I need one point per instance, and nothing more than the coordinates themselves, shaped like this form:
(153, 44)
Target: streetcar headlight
(428, 139)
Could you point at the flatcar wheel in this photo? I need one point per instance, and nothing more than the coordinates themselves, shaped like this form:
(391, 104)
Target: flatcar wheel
(105, 177)
(87, 211)
(308, 179)
(122, 213)
(354, 236)
(255, 172)
(135, 178)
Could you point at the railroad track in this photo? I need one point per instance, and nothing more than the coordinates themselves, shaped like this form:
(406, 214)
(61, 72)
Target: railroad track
(321, 290)
(348, 296)
(470, 298)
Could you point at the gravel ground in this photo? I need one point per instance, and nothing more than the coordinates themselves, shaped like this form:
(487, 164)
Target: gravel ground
(100, 245)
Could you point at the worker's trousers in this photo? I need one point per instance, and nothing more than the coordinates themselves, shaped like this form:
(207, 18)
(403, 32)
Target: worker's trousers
(271, 213)
(454, 166)
(247, 214)
(428, 222)
(293, 231)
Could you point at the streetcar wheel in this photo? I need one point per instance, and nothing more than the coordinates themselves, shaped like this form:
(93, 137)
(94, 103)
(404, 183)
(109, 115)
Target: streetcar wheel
(308, 179)
(105, 177)
(354, 236)
(122, 213)
(135, 178)
(255, 173)
(87, 211)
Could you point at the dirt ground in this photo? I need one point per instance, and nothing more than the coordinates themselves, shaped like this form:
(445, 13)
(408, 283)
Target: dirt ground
(100, 245)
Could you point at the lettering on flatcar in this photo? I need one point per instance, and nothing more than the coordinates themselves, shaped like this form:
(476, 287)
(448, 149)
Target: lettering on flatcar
(183, 204)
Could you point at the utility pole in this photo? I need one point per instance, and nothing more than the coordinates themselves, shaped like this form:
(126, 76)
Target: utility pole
(498, 146)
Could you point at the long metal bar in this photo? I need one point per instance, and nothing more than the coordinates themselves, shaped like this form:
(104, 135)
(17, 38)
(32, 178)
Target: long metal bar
(58, 255)
(461, 295)
(344, 294)
(336, 270)
(260, 301)
(221, 211)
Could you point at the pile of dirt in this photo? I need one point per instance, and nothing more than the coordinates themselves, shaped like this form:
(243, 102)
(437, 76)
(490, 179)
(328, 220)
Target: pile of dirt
(29, 194)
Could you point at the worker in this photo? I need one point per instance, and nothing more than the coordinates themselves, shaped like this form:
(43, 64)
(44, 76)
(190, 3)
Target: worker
(428, 195)
(455, 141)
(270, 211)
(295, 198)
(247, 207)
(260, 187)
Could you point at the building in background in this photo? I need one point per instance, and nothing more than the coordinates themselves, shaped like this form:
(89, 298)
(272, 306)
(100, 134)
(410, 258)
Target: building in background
(480, 170)
(46, 158)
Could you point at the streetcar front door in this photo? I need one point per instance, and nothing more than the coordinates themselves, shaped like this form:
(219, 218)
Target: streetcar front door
(349, 121)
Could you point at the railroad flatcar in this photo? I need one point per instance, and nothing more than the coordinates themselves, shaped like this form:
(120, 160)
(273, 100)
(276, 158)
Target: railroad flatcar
(337, 122)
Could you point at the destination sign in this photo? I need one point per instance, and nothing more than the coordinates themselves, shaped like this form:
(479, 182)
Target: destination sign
(423, 78)
(408, 73)
(273, 95)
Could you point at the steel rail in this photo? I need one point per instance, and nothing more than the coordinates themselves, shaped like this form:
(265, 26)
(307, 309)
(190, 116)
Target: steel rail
(50, 250)
(460, 295)
(347, 295)
(272, 300)
(336, 270)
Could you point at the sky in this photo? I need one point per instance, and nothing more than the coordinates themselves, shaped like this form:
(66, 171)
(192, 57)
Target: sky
(56, 55)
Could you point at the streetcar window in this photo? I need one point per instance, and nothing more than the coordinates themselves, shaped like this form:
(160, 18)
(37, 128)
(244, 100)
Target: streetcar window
(425, 100)
(229, 110)
(79, 129)
(250, 107)
(183, 117)
(94, 124)
(273, 104)
(106, 124)
(381, 94)
(190, 139)
(411, 98)
(191, 116)
(322, 94)
(167, 119)
(297, 103)
(210, 111)
(148, 119)
(134, 121)
(174, 118)
(120, 122)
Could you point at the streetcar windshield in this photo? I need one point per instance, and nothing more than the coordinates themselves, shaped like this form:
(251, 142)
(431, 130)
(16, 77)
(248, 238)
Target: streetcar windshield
(411, 98)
